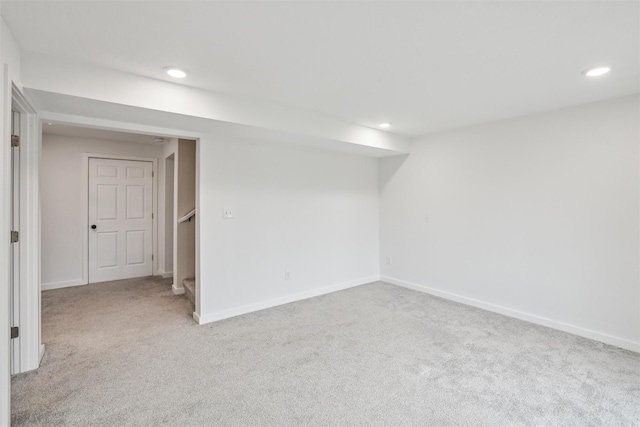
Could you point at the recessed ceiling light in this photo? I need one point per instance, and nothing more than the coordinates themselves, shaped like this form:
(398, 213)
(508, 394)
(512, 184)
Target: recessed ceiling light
(176, 72)
(596, 71)
(385, 125)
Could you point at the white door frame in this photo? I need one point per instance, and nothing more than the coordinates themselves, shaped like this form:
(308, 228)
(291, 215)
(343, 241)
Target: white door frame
(30, 350)
(169, 224)
(85, 203)
(5, 247)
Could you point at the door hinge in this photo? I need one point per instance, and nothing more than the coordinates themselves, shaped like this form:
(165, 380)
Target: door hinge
(15, 236)
(151, 257)
(15, 332)
(15, 140)
(153, 174)
(152, 216)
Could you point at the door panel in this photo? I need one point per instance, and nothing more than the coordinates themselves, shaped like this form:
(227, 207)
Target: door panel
(135, 201)
(135, 173)
(120, 207)
(135, 247)
(107, 250)
(107, 171)
(107, 202)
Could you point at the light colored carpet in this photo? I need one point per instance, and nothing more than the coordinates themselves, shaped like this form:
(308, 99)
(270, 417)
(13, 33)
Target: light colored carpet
(128, 353)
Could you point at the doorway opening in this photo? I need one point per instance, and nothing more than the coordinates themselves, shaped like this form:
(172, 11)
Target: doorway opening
(184, 256)
(51, 210)
(117, 205)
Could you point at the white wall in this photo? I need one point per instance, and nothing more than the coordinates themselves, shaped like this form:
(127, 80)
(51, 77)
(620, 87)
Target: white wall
(312, 212)
(62, 210)
(11, 55)
(535, 217)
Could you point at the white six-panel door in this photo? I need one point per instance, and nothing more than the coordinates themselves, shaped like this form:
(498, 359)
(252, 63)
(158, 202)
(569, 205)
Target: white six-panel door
(120, 221)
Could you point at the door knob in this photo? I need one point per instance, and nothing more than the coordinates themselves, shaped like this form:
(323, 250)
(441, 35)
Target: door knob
(93, 227)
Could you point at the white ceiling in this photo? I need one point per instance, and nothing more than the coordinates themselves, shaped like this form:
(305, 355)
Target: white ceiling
(425, 66)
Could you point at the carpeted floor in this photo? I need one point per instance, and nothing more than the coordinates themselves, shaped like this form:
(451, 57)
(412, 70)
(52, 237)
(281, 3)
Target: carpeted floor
(128, 353)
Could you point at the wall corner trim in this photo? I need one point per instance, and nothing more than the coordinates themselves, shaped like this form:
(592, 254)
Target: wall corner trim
(262, 305)
(176, 290)
(532, 318)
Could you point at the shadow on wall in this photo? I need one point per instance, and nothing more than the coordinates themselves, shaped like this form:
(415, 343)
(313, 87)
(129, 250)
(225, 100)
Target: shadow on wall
(388, 168)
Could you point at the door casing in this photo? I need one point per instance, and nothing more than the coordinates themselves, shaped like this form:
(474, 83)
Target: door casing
(28, 349)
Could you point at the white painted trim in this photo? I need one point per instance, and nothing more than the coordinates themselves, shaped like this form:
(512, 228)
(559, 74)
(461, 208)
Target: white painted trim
(5, 228)
(538, 320)
(84, 198)
(178, 289)
(65, 284)
(167, 275)
(249, 308)
(198, 300)
(42, 350)
(29, 295)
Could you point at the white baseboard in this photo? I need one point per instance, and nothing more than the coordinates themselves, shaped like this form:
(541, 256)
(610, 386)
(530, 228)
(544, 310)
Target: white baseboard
(539, 320)
(249, 308)
(59, 285)
(41, 354)
(177, 290)
(167, 275)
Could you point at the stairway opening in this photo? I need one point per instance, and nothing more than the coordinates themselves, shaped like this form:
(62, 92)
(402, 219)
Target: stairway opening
(185, 209)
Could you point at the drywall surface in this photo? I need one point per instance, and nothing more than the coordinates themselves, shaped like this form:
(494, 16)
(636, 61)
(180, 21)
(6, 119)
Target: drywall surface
(536, 217)
(86, 81)
(313, 213)
(11, 55)
(62, 210)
